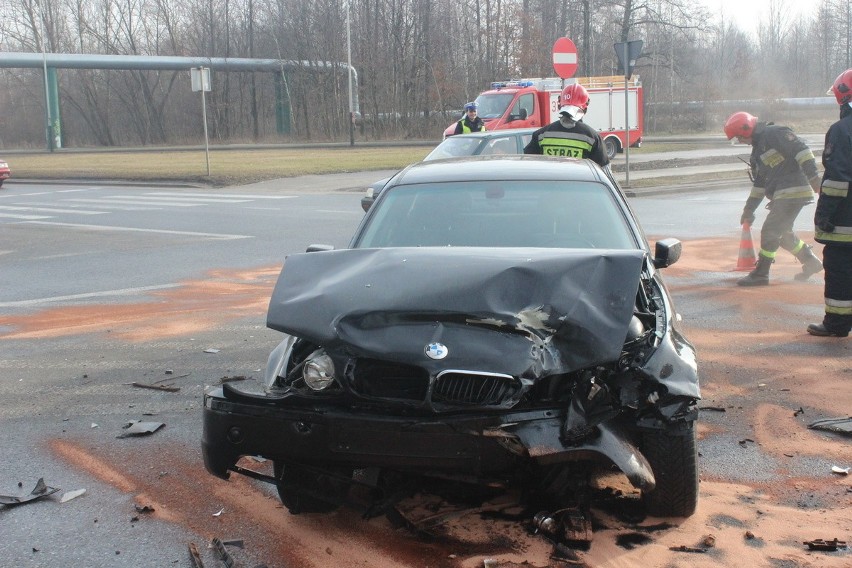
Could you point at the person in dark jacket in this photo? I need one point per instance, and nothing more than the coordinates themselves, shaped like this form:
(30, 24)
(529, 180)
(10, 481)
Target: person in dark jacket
(833, 217)
(470, 122)
(783, 169)
(568, 136)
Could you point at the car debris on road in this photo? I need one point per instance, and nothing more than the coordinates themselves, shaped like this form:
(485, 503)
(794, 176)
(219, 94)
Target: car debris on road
(825, 545)
(138, 428)
(39, 491)
(841, 425)
(72, 495)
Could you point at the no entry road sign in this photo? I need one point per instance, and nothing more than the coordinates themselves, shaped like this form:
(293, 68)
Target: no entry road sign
(564, 58)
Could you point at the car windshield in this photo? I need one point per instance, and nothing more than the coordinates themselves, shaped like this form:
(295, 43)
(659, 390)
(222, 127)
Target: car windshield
(493, 106)
(520, 213)
(455, 146)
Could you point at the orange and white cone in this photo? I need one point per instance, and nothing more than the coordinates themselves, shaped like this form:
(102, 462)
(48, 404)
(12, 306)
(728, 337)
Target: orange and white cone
(746, 258)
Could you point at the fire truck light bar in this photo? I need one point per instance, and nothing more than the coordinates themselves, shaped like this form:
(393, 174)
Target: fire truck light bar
(502, 84)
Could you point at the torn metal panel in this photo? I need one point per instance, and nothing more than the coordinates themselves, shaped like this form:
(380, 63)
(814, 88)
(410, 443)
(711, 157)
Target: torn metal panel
(137, 428)
(837, 425)
(673, 364)
(554, 312)
(40, 490)
(542, 440)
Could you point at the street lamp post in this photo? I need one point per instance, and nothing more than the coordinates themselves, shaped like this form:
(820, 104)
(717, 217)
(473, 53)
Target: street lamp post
(349, 74)
(47, 117)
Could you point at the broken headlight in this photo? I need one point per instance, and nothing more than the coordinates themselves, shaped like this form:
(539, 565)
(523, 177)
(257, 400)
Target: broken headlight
(298, 365)
(318, 371)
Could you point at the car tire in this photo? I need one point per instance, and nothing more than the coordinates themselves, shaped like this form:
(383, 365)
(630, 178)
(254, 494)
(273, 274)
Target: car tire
(298, 489)
(611, 147)
(674, 461)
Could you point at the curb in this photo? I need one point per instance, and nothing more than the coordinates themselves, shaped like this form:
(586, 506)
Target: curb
(697, 187)
(120, 182)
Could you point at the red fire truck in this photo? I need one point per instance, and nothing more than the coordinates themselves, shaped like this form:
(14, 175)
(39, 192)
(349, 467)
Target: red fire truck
(526, 103)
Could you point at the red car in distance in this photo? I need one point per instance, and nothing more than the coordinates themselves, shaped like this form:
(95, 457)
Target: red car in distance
(5, 172)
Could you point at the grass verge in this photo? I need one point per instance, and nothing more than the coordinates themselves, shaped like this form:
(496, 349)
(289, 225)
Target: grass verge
(232, 166)
(227, 167)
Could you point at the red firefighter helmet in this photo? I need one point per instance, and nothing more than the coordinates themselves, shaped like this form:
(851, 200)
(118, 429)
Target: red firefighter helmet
(842, 88)
(740, 124)
(574, 100)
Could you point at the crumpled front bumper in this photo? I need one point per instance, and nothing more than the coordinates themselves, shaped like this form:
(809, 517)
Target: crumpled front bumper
(471, 444)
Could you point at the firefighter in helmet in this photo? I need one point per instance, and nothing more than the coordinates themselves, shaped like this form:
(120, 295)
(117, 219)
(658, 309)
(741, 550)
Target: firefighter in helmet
(470, 122)
(833, 216)
(783, 169)
(569, 136)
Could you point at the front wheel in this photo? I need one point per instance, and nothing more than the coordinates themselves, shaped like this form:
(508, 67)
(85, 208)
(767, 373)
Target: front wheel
(303, 490)
(611, 146)
(674, 461)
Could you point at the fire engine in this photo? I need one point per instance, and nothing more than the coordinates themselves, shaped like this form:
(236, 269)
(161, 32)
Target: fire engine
(528, 103)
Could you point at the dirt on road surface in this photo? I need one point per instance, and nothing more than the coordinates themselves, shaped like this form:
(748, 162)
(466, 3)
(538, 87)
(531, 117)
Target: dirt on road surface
(767, 483)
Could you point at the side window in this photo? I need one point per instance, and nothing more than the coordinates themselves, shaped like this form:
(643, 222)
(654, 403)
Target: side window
(527, 103)
(504, 145)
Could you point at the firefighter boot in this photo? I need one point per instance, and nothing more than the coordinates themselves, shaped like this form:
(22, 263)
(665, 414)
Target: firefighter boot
(810, 263)
(760, 275)
(820, 330)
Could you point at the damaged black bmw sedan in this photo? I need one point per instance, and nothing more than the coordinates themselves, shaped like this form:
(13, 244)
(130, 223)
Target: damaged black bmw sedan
(494, 319)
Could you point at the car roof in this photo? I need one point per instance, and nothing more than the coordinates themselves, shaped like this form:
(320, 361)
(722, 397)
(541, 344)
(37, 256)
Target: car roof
(496, 133)
(512, 167)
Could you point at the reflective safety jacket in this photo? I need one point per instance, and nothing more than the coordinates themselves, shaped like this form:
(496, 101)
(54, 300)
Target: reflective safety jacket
(465, 126)
(782, 165)
(577, 141)
(833, 216)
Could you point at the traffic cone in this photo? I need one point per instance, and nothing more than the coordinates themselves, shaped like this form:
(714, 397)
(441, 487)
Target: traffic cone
(746, 258)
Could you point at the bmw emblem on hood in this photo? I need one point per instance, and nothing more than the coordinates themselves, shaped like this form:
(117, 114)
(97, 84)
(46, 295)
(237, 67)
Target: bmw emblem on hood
(436, 351)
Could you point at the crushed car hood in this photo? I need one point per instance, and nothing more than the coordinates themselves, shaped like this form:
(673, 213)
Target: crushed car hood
(523, 312)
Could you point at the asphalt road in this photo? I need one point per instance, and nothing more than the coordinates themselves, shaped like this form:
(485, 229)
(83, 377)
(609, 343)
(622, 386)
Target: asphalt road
(105, 286)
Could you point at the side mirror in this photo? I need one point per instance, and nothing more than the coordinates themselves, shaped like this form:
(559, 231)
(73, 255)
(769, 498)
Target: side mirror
(667, 252)
(319, 248)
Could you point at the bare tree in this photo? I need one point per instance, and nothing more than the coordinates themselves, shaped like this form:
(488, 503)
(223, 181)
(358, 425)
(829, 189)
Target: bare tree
(418, 61)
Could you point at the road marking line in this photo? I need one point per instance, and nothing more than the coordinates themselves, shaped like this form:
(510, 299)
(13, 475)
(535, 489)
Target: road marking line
(237, 195)
(122, 292)
(136, 229)
(52, 210)
(25, 217)
(336, 211)
(97, 206)
(127, 201)
(210, 199)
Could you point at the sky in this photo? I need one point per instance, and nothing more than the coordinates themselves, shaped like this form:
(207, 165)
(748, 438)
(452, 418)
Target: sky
(747, 13)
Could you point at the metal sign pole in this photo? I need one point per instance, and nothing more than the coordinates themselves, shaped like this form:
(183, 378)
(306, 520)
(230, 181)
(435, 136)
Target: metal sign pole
(206, 142)
(200, 78)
